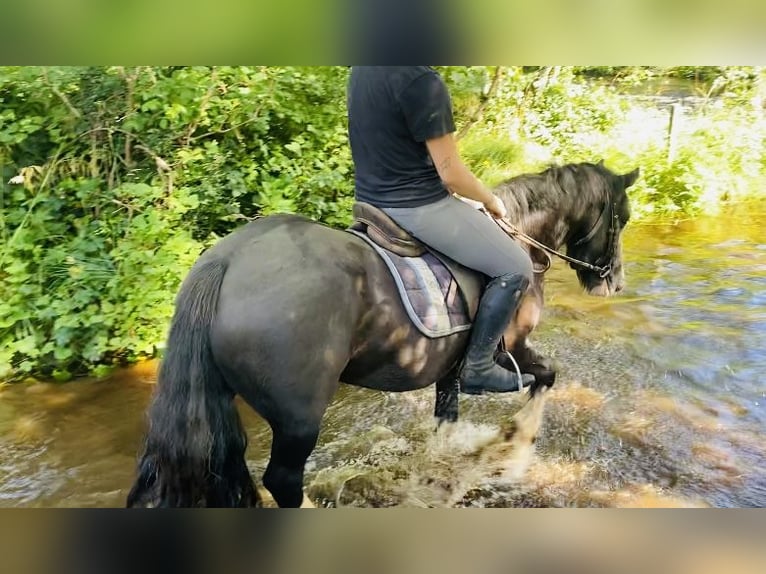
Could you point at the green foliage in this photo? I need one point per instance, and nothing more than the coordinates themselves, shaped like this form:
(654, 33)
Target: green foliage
(468, 87)
(114, 180)
(490, 157)
(79, 289)
(718, 158)
(717, 152)
(564, 113)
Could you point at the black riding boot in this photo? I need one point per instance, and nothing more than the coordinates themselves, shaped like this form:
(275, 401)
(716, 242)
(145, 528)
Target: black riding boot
(497, 307)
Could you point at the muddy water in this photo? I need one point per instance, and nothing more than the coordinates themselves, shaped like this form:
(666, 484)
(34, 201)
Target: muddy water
(661, 401)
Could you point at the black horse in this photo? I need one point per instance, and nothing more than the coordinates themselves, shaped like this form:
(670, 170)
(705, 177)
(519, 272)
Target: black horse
(284, 309)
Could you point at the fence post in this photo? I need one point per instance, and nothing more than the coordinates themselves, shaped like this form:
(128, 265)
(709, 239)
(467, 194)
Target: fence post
(675, 114)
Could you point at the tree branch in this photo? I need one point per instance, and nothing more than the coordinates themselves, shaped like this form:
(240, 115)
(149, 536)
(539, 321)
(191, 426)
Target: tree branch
(483, 103)
(62, 96)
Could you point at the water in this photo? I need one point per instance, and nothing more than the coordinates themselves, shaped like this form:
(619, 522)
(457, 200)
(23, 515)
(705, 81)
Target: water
(661, 401)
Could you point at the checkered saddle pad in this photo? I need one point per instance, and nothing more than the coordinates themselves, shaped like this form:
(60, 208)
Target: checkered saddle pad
(433, 297)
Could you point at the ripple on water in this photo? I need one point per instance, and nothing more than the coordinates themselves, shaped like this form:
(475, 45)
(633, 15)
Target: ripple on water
(26, 475)
(421, 466)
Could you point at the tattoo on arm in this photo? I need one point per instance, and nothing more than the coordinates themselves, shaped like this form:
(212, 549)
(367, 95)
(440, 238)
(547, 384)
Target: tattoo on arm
(446, 163)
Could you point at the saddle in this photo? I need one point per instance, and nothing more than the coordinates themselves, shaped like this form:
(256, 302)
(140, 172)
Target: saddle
(384, 231)
(429, 282)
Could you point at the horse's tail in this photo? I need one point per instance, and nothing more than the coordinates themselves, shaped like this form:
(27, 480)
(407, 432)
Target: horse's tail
(194, 450)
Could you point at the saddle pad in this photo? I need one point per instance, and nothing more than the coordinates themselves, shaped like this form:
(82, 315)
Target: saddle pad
(428, 291)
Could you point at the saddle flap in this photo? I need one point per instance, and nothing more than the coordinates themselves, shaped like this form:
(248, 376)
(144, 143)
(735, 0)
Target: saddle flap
(439, 295)
(384, 231)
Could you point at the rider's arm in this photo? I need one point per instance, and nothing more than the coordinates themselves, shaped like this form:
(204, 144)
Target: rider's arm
(456, 175)
(453, 172)
(427, 108)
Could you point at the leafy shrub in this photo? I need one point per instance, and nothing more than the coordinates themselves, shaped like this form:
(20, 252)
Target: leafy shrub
(114, 179)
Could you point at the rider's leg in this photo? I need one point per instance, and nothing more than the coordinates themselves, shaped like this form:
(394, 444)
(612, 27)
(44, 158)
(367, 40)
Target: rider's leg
(458, 230)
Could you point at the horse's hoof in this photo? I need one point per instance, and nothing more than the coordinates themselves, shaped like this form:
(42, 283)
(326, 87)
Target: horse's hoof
(527, 357)
(306, 503)
(543, 378)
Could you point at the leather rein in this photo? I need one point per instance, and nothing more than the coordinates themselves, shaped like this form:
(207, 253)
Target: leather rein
(603, 269)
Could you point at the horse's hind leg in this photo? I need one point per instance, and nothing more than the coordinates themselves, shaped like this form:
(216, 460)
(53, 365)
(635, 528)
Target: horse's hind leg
(293, 403)
(290, 448)
(447, 393)
(294, 411)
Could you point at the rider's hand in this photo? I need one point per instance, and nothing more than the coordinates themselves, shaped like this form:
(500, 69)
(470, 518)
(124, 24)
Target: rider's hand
(496, 207)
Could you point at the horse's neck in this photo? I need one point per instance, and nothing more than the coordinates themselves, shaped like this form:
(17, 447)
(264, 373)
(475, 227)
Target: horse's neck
(546, 227)
(543, 221)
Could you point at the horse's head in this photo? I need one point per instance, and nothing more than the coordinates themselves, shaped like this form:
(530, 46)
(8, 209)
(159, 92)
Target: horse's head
(595, 235)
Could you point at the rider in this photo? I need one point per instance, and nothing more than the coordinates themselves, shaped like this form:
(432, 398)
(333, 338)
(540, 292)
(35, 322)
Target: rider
(401, 131)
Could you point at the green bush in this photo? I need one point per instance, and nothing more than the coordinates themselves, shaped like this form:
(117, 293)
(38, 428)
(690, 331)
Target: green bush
(114, 180)
(718, 159)
(491, 157)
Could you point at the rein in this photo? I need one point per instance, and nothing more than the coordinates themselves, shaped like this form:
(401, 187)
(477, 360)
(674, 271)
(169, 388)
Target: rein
(602, 270)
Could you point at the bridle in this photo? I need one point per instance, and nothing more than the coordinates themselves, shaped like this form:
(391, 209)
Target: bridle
(602, 266)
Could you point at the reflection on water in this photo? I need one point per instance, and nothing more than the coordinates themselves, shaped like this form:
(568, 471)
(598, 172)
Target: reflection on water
(680, 356)
(661, 402)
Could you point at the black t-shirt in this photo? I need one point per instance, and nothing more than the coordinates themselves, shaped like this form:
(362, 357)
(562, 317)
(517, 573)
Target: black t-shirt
(392, 111)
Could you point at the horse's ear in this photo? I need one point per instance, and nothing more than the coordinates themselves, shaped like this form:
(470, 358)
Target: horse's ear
(600, 163)
(630, 178)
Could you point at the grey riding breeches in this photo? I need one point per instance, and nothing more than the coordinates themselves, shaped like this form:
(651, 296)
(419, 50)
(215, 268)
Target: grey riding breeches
(464, 234)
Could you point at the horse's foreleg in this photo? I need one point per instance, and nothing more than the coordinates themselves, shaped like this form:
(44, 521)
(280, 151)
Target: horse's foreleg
(447, 392)
(526, 319)
(529, 360)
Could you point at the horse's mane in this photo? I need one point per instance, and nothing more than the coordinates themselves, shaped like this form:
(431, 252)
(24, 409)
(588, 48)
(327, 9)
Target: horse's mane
(558, 187)
(542, 204)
